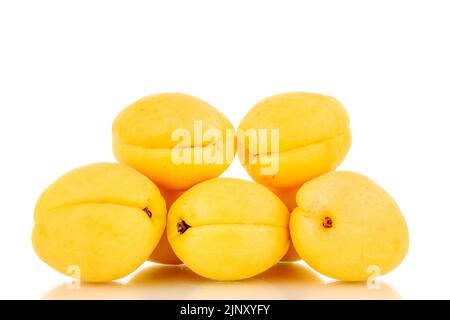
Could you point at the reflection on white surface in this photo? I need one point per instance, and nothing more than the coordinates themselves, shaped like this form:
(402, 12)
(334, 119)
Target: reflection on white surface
(101, 291)
(283, 281)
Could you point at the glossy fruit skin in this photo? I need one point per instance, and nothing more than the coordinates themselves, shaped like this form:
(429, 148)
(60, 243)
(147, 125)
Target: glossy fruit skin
(347, 227)
(99, 222)
(163, 252)
(228, 229)
(314, 137)
(143, 139)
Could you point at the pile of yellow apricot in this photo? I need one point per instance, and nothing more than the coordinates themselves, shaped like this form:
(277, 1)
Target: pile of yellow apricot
(164, 202)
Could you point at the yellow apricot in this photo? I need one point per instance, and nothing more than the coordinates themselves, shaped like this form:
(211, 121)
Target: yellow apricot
(347, 227)
(163, 252)
(288, 197)
(176, 140)
(291, 255)
(314, 137)
(228, 229)
(99, 222)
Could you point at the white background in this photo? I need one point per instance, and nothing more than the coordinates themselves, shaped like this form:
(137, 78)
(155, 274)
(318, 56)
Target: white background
(68, 67)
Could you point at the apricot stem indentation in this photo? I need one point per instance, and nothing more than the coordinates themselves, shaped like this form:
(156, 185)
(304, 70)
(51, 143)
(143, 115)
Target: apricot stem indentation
(182, 226)
(327, 222)
(147, 211)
